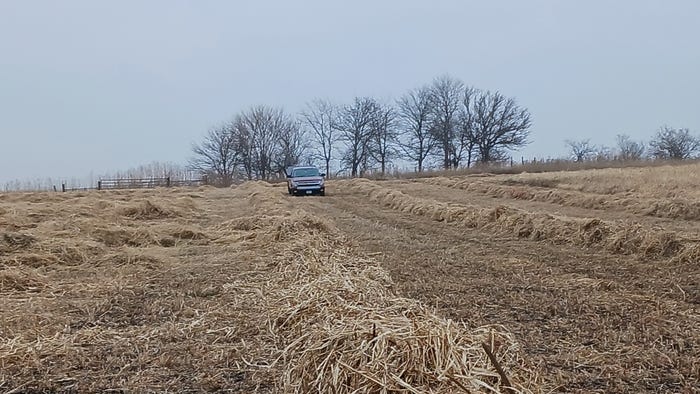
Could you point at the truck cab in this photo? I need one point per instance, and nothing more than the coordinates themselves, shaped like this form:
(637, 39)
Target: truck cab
(305, 180)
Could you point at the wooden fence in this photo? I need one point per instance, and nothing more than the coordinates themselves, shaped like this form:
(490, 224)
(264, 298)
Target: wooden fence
(138, 183)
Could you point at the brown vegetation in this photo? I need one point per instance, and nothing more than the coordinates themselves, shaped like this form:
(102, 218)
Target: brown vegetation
(394, 286)
(622, 238)
(295, 306)
(546, 190)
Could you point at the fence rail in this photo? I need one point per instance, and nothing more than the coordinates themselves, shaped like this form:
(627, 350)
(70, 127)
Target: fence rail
(138, 183)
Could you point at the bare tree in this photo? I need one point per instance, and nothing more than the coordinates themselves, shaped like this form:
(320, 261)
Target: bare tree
(217, 155)
(446, 99)
(292, 145)
(259, 131)
(493, 123)
(384, 135)
(675, 144)
(355, 125)
(604, 153)
(243, 138)
(629, 149)
(581, 150)
(467, 129)
(319, 116)
(467, 144)
(415, 117)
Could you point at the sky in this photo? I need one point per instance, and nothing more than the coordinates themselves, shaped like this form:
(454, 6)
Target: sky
(98, 86)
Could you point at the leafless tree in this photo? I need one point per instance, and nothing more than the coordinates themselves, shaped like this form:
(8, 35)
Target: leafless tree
(320, 116)
(675, 144)
(292, 145)
(217, 155)
(629, 149)
(415, 117)
(581, 150)
(467, 130)
(259, 131)
(243, 138)
(467, 141)
(384, 135)
(494, 123)
(355, 125)
(446, 99)
(604, 153)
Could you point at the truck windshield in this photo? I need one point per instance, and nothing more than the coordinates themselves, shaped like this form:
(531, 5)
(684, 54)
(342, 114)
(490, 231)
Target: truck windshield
(305, 172)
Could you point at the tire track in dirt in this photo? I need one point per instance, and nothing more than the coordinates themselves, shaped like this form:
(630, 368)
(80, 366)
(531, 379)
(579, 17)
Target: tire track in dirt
(587, 317)
(616, 237)
(676, 208)
(449, 194)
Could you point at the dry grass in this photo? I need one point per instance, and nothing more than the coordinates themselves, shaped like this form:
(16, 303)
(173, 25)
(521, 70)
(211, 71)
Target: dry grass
(593, 319)
(99, 294)
(246, 290)
(341, 327)
(547, 190)
(139, 292)
(146, 210)
(14, 279)
(680, 181)
(563, 166)
(665, 191)
(615, 237)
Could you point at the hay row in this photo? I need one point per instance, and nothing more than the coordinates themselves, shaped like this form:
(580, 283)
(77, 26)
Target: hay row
(146, 210)
(93, 302)
(89, 215)
(75, 235)
(123, 194)
(663, 208)
(324, 317)
(13, 279)
(18, 249)
(340, 327)
(663, 182)
(615, 237)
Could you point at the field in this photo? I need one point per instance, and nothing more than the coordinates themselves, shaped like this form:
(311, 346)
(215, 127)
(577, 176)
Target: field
(575, 282)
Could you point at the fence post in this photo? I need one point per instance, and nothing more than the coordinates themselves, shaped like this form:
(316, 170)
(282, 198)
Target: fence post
(99, 185)
(167, 181)
(204, 180)
(63, 187)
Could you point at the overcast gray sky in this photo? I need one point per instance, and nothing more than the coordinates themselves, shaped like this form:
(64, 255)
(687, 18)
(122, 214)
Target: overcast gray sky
(99, 86)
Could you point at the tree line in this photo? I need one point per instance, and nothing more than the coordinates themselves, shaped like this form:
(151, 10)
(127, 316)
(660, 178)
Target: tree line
(667, 144)
(444, 123)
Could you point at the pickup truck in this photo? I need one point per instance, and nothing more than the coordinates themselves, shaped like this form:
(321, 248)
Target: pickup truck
(305, 180)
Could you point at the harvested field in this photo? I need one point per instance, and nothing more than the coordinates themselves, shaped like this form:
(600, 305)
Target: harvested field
(545, 190)
(445, 285)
